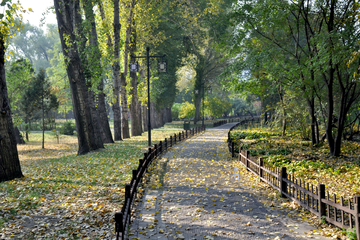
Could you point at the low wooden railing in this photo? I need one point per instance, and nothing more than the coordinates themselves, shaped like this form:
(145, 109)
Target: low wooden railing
(122, 218)
(339, 211)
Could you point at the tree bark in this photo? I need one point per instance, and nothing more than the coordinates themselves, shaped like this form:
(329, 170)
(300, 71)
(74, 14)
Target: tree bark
(9, 158)
(65, 14)
(135, 111)
(95, 55)
(124, 107)
(116, 74)
(123, 94)
(145, 117)
(96, 120)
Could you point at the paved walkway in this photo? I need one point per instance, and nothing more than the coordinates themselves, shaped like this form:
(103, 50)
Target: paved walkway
(194, 194)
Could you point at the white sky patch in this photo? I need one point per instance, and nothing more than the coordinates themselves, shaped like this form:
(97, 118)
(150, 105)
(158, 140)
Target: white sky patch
(39, 8)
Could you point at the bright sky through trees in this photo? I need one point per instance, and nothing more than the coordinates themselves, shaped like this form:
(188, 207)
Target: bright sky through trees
(39, 8)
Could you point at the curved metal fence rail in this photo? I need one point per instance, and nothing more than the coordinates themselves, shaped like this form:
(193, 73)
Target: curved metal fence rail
(122, 219)
(339, 211)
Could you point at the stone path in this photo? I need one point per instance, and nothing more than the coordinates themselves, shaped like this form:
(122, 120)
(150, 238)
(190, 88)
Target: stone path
(194, 194)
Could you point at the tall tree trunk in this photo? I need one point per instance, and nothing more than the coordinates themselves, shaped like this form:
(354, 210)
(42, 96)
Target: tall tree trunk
(124, 107)
(135, 111)
(116, 74)
(123, 94)
(95, 56)
(88, 61)
(314, 128)
(65, 10)
(96, 120)
(145, 117)
(43, 123)
(9, 158)
(198, 93)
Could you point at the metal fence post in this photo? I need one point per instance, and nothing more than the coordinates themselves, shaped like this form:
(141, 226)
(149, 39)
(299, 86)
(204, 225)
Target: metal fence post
(119, 227)
(322, 206)
(247, 158)
(134, 174)
(357, 219)
(261, 172)
(240, 158)
(232, 149)
(155, 150)
(283, 184)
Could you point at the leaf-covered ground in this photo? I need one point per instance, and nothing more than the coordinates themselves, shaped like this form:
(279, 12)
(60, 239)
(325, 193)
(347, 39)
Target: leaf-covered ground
(64, 196)
(341, 175)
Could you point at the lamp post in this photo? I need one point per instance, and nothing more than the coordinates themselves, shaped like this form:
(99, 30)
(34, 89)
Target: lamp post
(134, 66)
(209, 89)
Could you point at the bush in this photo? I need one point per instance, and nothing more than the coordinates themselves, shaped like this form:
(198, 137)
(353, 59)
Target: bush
(175, 109)
(68, 129)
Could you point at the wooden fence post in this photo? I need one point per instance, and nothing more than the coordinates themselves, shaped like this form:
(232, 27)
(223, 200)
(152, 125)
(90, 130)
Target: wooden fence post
(357, 219)
(322, 206)
(170, 141)
(160, 146)
(283, 184)
(261, 172)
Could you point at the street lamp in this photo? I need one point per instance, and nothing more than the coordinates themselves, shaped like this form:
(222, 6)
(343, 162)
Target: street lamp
(134, 67)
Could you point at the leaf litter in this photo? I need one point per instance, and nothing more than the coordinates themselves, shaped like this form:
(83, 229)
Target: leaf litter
(64, 196)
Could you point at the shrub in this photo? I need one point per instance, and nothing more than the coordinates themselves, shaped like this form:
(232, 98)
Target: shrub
(68, 129)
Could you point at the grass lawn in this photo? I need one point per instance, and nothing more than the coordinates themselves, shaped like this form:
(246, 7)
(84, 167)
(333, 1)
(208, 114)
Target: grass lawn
(64, 196)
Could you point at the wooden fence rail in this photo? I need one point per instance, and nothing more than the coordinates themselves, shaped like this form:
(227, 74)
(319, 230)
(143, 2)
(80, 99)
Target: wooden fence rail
(341, 212)
(122, 219)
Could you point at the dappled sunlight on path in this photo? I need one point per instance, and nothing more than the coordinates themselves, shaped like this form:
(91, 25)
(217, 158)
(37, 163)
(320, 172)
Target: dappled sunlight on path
(193, 194)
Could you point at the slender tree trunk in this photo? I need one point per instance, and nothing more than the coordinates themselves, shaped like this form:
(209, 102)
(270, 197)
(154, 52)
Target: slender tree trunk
(124, 107)
(95, 56)
(314, 129)
(123, 93)
(65, 10)
(116, 74)
(135, 110)
(198, 88)
(9, 158)
(145, 118)
(27, 128)
(43, 123)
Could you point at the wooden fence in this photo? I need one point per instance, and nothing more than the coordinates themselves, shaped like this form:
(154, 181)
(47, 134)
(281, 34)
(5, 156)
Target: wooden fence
(122, 219)
(341, 212)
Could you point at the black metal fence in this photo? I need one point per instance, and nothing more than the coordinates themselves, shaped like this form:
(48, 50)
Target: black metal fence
(122, 219)
(339, 211)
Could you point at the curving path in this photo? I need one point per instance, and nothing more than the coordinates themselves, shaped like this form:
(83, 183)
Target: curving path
(193, 194)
